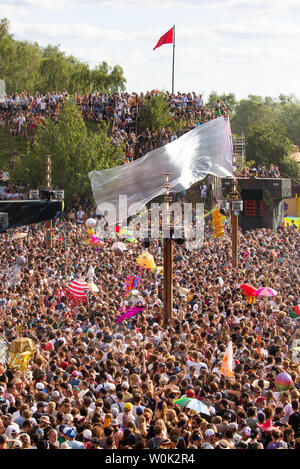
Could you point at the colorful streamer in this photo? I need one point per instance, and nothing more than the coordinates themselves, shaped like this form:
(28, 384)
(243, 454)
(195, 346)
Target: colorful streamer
(129, 313)
(19, 361)
(131, 284)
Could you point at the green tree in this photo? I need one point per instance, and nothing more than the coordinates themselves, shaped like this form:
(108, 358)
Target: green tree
(74, 154)
(107, 79)
(270, 144)
(289, 116)
(155, 113)
(27, 66)
(252, 111)
(229, 100)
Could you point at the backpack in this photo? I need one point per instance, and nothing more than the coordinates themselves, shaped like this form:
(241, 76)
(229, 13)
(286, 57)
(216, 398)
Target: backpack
(155, 445)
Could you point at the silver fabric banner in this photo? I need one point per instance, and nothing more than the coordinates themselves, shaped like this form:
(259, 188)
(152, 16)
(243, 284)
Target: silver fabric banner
(207, 149)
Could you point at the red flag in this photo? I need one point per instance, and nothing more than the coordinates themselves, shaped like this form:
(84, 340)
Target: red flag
(165, 39)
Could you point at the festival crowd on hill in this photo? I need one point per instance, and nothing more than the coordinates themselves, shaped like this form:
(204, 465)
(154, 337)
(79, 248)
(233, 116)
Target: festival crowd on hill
(93, 383)
(23, 113)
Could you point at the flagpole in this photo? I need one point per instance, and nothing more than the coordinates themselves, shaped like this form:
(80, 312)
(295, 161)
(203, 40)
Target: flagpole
(173, 64)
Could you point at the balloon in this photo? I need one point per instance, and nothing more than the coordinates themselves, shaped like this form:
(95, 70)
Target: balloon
(91, 223)
(283, 381)
(118, 248)
(95, 240)
(146, 260)
(21, 261)
(127, 234)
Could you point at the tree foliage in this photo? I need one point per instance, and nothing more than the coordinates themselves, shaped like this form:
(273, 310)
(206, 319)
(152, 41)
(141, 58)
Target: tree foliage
(289, 116)
(229, 100)
(252, 111)
(74, 153)
(27, 66)
(154, 113)
(270, 144)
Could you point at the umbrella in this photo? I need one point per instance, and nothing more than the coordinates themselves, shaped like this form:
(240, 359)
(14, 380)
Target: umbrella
(19, 236)
(78, 289)
(3, 349)
(19, 353)
(266, 291)
(22, 344)
(193, 404)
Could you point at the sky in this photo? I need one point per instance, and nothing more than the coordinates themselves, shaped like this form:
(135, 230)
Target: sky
(240, 46)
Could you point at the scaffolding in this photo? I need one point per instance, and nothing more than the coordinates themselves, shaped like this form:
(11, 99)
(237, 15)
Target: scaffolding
(239, 149)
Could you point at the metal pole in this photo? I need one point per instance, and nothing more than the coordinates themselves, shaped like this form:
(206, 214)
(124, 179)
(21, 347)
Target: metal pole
(48, 186)
(234, 234)
(173, 64)
(234, 222)
(168, 262)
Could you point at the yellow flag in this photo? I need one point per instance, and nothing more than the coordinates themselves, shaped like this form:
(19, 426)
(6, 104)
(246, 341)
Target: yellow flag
(226, 367)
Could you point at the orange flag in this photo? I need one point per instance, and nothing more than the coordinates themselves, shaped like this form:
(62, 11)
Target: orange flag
(226, 367)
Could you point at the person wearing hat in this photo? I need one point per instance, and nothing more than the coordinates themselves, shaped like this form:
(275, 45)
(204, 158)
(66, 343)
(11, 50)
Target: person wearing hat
(86, 436)
(117, 432)
(126, 416)
(165, 444)
(12, 431)
(61, 436)
(45, 424)
(209, 439)
(17, 444)
(246, 434)
(70, 435)
(196, 440)
(266, 428)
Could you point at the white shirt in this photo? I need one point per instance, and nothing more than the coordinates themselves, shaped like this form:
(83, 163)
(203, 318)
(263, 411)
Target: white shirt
(79, 216)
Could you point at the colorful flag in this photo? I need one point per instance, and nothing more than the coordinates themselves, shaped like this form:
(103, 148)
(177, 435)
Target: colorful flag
(294, 313)
(226, 367)
(165, 39)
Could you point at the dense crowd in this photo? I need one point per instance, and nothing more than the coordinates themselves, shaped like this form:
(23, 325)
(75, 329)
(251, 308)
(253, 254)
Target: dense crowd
(9, 191)
(23, 113)
(260, 172)
(93, 383)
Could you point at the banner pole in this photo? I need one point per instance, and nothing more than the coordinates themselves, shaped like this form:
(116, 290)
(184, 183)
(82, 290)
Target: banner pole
(173, 64)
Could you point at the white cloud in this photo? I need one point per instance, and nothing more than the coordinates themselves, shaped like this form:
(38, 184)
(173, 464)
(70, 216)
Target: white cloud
(116, 4)
(64, 31)
(9, 11)
(230, 45)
